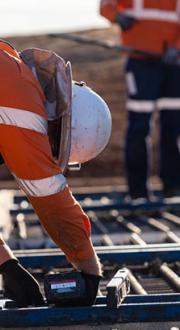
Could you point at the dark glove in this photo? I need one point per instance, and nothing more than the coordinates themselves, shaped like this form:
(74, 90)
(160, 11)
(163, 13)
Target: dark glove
(92, 284)
(1, 160)
(125, 21)
(20, 285)
(171, 56)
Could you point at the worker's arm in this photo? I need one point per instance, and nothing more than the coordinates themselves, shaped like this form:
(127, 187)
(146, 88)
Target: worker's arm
(109, 9)
(41, 179)
(69, 227)
(113, 11)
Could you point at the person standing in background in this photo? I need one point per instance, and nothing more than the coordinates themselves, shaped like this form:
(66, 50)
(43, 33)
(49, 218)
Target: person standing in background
(154, 27)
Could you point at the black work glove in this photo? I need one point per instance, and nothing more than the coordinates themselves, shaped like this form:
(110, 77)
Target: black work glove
(171, 56)
(92, 284)
(1, 160)
(125, 21)
(20, 285)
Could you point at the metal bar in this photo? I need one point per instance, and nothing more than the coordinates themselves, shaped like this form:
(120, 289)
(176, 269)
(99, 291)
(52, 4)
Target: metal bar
(135, 285)
(22, 230)
(171, 217)
(116, 194)
(97, 205)
(172, 237)
(132, 299)
(104, 44)
(128, 225)
(171, 276)
(158, 225)
(144, 207)
(141, 298)
(117, 248)
(135, 229)
(136, 239)
(163, 297)
(46, 316)
(164, 228)
(100, 226)
(133, 257)
(139, 256)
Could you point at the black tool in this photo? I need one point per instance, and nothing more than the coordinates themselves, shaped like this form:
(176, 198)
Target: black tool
(64, 288)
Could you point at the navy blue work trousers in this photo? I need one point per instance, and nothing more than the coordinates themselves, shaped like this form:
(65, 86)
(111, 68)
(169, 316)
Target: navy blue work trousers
(152, 85)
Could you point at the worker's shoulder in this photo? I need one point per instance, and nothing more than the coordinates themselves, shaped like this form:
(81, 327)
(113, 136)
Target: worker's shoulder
(7, 47)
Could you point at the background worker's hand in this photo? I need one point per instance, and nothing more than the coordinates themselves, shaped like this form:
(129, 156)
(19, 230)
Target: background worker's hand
(171, 56)
(125, 21)
(20, 285)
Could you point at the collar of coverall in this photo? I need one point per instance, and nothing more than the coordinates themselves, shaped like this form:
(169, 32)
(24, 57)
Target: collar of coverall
(55, 78)
(7, 47)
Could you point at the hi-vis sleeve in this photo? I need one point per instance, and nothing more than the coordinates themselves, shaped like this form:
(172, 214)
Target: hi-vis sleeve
(109, 9)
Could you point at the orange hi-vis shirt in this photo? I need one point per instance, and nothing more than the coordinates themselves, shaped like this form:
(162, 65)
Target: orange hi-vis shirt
(25, 148)
(157, 25)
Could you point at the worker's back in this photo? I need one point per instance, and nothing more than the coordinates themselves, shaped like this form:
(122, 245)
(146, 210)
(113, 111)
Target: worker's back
(17, 83)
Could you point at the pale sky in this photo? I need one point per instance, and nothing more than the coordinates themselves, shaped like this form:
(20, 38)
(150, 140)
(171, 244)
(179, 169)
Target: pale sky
(21, 17)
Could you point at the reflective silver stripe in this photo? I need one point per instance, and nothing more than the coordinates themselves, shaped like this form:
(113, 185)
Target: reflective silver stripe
(138, 5)
(131, 83)
(140, 106)
(23, 119)
(42, 187)
(138, 11)
(168, 103)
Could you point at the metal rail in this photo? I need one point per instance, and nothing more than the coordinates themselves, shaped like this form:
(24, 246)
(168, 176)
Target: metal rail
(114, 221)
(101, 227)
(135, 285)
(127, 312)
(119, 255)
(107, 202)
(151, 268)
(116, 306)
(171, 276)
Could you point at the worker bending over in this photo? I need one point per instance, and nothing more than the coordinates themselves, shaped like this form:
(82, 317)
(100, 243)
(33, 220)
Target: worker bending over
(47, 121)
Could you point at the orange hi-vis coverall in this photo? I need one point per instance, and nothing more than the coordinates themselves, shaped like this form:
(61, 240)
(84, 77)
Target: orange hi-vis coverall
(152, 26)
(157, 27)
(25, 148)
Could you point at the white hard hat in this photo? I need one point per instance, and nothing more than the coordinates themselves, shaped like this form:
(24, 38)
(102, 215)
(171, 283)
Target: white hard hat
(90, 124)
